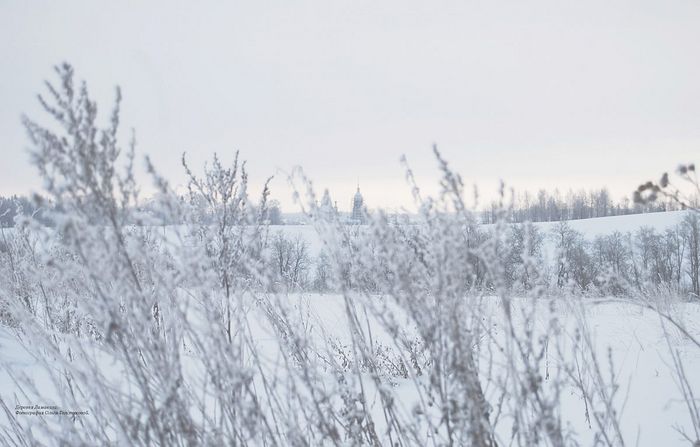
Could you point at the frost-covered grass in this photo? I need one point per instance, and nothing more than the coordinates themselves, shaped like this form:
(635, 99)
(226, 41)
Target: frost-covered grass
(650, 403)
(435, 333)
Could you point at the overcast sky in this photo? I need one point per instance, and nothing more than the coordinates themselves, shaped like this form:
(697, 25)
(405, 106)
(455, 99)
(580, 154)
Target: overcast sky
(557, 93)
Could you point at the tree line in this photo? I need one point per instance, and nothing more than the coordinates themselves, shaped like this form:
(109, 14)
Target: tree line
(12, 206)
(546, 206)
(615, 264)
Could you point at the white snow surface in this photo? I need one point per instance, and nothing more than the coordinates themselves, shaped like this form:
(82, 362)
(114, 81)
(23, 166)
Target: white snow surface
(590, 228)
(653, 407)
(606, 225)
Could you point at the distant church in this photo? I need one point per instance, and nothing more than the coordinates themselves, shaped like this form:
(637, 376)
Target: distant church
(328, 210)
(358, 208)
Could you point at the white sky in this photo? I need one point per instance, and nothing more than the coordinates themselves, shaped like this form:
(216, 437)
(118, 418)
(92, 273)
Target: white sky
(561, 93)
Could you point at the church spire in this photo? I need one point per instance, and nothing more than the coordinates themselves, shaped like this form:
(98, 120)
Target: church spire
(358, 212)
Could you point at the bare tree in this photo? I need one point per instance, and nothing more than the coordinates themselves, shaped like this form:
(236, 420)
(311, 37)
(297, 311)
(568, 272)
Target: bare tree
(291, 259)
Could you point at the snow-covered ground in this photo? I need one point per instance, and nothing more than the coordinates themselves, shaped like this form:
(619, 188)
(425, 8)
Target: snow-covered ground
(631, 223)
(651, 404)
(590, 228)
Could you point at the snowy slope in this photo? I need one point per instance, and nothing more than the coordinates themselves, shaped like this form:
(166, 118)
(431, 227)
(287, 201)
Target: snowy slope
(606, 225)
(590, 228)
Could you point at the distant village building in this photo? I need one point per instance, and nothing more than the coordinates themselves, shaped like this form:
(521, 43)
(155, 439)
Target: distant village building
(358, 209)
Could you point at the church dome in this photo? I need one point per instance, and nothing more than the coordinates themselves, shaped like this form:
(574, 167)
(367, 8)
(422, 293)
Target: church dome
(358, 196)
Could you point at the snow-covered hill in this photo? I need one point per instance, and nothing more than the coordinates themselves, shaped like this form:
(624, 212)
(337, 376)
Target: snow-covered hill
(630, 223)
(590, 228)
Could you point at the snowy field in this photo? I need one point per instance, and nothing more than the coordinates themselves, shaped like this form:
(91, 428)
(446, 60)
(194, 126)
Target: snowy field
(624, 349)
(590, 228)
(651, 405)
